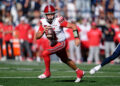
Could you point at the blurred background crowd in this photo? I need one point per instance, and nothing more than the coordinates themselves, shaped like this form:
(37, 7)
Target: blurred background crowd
(98, 22)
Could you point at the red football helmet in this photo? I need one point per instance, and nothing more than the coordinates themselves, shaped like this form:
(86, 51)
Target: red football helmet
(49, 9)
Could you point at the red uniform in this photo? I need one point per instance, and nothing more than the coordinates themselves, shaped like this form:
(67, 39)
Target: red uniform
(94, 37)
(8, 36)
(60, 46)
(55, 48)
(58, 41)
(31, 36)
(115, 27)
(23, 31)
(1, 28)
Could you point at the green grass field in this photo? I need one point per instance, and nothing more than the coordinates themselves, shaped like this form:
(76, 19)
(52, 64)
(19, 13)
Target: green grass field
(25, 74)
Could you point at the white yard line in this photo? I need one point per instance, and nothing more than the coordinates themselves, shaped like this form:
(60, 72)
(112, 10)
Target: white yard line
(61, 77)
(53, 70)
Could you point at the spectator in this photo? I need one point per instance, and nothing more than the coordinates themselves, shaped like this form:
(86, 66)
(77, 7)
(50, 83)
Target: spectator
(25, 5)
(98, 9)
(71, 10)
(23, 29)
(20, 14)
(60, 6)
(31, 33)
(115, 25)
(35, 4)
(36, 18)
(83, 8)
(8, 34)
(94, 36)
(84, 27)
(110, 8)
(8, 4)
(109, 34)
(8, 16)
(117, 10)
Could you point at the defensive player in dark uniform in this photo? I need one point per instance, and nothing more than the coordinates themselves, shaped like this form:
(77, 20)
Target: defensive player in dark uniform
(115, 54)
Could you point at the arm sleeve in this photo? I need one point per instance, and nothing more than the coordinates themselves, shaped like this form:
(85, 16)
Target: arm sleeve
(64, 24)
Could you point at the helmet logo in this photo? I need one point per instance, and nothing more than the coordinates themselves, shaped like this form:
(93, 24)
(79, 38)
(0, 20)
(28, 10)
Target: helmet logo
(49, 9)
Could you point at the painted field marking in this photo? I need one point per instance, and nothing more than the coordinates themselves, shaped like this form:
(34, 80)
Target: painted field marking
(60, 77)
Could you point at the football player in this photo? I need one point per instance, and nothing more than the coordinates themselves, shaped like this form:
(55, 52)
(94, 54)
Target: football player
(115, 54)
(52, 26)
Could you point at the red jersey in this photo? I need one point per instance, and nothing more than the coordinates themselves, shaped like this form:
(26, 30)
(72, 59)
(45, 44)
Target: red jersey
(94, 37)
(23, 31)
(1, 28)
(8, 36)
(115, 27)
(31, 36)
(57, 25)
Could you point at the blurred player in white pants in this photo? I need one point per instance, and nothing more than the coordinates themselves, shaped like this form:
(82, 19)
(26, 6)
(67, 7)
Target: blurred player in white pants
(94, 37)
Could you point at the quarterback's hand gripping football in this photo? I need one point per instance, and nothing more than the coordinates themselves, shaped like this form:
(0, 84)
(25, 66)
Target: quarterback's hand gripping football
(47, 27)
(49, 32)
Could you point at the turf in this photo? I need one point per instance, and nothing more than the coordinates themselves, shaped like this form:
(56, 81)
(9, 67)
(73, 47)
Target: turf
(25, 74)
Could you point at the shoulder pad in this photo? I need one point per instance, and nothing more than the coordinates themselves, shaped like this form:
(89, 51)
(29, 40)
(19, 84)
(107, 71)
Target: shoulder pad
(61, 19)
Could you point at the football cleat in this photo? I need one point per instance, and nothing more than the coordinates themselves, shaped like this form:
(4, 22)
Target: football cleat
(95, 69)
(44, 76)
(80, 74)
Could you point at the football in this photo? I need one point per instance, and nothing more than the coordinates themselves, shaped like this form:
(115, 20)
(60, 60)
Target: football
(50, 33)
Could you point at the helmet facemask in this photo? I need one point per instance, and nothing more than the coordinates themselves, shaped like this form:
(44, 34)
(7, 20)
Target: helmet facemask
(50, 17)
